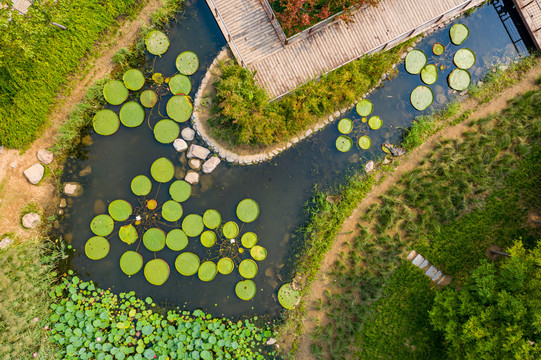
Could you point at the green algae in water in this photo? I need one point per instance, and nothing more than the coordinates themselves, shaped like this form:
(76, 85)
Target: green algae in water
(157, 272)
(131, 262)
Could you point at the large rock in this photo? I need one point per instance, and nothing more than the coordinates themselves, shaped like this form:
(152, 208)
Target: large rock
(192, 177)
(5, 242)
(45, 156)
(31, 220)
(187, 134)
(197, 151)
(211, 164)
(86, 171)
(194, 164)
(369, 166)
(395, 150)
(34, 173)
(180, 145)
(73, 189)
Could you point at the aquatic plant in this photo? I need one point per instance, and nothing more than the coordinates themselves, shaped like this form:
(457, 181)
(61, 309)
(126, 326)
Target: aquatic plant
(459, 33)
(421, 97)
(345, 126)
(415, 61)
(157, 42)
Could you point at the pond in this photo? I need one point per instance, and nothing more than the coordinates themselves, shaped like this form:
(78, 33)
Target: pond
(281, 186)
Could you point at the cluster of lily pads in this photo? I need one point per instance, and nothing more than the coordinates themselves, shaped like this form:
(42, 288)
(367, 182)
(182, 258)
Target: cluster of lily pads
(459, 79)
(132, 113)
(346, 126)
(91, 323)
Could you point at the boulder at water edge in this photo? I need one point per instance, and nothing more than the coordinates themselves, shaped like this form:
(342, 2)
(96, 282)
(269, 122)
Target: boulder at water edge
(31, 220)
(5, 242)
(192, 177)
(369, 166)
(194, 164)
(34, 173)
(197, 151)
(211, 164)
(73, 189)
(45, 156)
(187, 134)
(180, 145)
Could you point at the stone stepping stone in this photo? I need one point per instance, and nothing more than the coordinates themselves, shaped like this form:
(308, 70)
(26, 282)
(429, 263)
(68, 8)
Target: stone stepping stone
(211, 164)
(180, 145)
(34, 173)
(45, 156)
(198, 152)
(31, 220)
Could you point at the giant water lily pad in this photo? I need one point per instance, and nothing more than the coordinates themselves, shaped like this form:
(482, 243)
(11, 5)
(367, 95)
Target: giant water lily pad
(166, 131)
(131, 262)
(248, 268)
(187, 263)
(438, 49)
(179, 108)
(248, 239)
(365, 142)
(157, 272)
(225, 266)
(288, 297)
(176, 240)
(187, 62)
(464, 59)
(97, 248)
(207, 271)
(245, 289)
(133, 79)
(415, 61)
(102, 225)
(459, 79)
(171, 211)
(106, 122)
(128, 234)
(180, 190)
(429, 74)
(247, 210)
(180, 85)
(212, 219)
(154, 239)
(421, 97)
(114, 92)
(132, 114)
(230, 229)
(120, 210)
(208, 238)
(345, 126)
(162, 170)
(148, 98)
(364, 107)
(458, 33)
(157, 42)
(193, 225)
(375, 122)
(259, 253)
(343, 143)
(141, 185)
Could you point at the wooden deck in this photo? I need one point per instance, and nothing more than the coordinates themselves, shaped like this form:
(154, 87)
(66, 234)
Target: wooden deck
(530, 11)
(281, 68)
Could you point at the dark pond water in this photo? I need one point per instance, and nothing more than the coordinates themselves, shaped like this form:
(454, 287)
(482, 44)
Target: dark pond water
(280, 186)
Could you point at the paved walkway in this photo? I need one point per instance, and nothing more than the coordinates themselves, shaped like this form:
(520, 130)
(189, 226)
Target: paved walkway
(281, 68)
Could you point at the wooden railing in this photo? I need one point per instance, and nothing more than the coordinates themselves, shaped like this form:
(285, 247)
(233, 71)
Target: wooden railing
(229, 38)
(275, 24)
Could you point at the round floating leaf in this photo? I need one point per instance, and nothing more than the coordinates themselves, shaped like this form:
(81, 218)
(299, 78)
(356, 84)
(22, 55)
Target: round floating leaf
(166, 131)
(212, 219)
(102, 225)
(132, 114)
(180, 190)
(128, 234)
(157, 272)
(345, 126)
(157, 42)
(247, 210)
(106, 122)
(225, 266)
(120, 210)
(134, 79)
(180, 84)
(114, 92)
(179, 108)
(230, 229)
(259, 253)
(248, 268)
(249, 239)
(438, 49)
(171, 211)
(375, 122)
(158, 78)
(141, 185)
(152, 204)
(192, 225)
(288, 297)
(365, 142)
(364, 119)
(459, 79)
(343, 143)
(208, 238)
(162, 170)
(421, 97)
(429, 74)
(131, 262)
(97, 248)
(148, 98)
(187, 263)
(176, 240)
(364, 107)
(245, 289)
(207, 271)
(187, 62)
(464, 59)
(154, 239)
(415, 61)
(458, 33)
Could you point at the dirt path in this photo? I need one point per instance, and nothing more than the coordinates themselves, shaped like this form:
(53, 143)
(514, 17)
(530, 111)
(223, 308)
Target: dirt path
(15, 190)
(350, 230)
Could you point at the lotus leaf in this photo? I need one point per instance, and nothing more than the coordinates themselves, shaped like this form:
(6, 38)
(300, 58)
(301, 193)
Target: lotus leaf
(166, 131)
(464, 59)
(225, 266)
(248, 268)
(176, 240)
(97, 248)
(364, 107)
(162, 170)
(288, 297)
(154, 239)
(157, 272)
(212, 219)
(180, 85)
(132, 114)
(375, 122)
(179, 108)
(415, 61)
(245, 289)
(187, 62)
(106, 122)
(187, 263)
(345, 126)
(180, 191)
(120, 210)
(134, 79)
(421, 97)
(148, 98)
(141, 185)
(247, 210)
(128, 234)
(114, 92)
(259, 253)
(102, 225)
(230, 229)
(157, 42)
(459, 79)
(249, 239)
(458, 33)
(343, 143)
(193, 225)
(208, 238)
(171, 211)
(429, 74)
(131, 262)
(207, 271)
(365, 142)
(438, 49)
